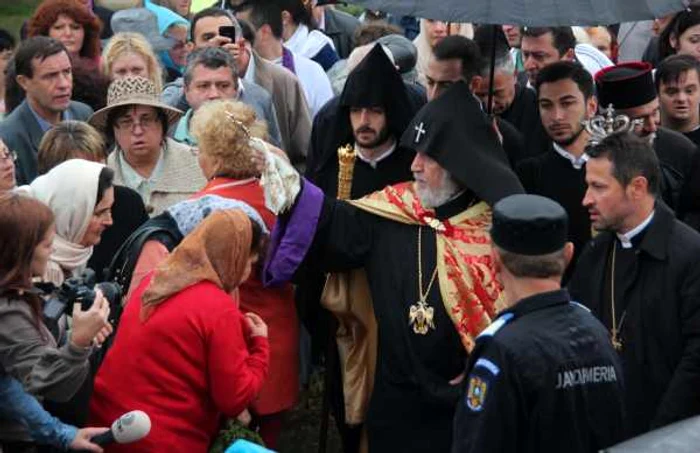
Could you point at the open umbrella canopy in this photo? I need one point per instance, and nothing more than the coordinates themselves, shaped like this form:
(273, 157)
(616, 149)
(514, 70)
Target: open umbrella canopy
(529, 12)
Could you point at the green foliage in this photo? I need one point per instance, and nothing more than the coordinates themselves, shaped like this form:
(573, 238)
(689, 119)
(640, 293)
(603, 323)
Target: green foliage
(231, 433)
(355, 10)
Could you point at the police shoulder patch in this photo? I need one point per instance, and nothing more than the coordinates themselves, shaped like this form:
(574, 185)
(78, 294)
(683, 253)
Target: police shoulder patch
(476, 393)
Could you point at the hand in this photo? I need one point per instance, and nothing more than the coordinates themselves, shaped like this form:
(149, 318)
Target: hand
(102, 335)
(256, 326)
(244, 418)
(82, 439)
(88, 324)
(458, 380)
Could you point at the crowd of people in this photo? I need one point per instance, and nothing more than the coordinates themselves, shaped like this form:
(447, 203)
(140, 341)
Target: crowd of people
(485, 236)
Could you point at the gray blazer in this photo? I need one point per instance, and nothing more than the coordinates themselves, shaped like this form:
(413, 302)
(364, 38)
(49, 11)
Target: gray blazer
(21, 133)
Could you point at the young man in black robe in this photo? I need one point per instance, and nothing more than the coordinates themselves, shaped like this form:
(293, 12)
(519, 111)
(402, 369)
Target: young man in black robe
(566, 100)
(373, 112)
(425, 249)
(641, 278)
(630, 89)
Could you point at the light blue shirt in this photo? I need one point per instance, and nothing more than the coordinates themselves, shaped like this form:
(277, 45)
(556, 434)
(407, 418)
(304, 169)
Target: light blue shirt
(133, 180)
(18, 405)
(45, 125)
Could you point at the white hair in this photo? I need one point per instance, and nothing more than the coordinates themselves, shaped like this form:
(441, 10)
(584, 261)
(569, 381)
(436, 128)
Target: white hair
(359, 53)
(431, 199)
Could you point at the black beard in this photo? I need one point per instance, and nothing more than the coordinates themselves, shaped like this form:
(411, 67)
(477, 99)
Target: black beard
(569, 141)
(382, 138)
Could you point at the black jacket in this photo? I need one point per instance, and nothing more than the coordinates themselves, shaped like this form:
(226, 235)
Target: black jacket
(340, 27)
(542, 378)
(661, 331)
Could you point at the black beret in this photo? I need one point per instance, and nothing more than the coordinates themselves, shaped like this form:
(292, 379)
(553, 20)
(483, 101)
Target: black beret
(529, 225)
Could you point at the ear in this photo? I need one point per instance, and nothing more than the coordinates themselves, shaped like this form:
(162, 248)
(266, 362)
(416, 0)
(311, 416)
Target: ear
(638, 187)
(190, 46)
(286, 18)
(570, 55)
(569, 252)
(23, 81)
(592, 106)
(673, 40)
(474, 83)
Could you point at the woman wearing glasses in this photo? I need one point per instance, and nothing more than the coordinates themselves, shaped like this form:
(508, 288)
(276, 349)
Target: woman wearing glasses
(161, 170)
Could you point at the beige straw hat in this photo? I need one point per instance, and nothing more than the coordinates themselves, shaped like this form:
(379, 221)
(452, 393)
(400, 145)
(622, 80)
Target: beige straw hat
(132, 91)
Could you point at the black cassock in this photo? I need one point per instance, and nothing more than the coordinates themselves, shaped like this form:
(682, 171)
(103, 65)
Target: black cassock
(412, 404)
(553, 176)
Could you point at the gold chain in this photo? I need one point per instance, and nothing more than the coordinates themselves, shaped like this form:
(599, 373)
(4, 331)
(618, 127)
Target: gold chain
(615, 334)
(423, 296)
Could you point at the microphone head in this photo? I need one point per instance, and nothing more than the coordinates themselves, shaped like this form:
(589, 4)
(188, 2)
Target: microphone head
(130, 427)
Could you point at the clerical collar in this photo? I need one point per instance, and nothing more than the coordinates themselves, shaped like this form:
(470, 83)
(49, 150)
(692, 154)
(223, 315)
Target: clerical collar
(459, 203)
(626, 238)
(373, 162)
(576, 162)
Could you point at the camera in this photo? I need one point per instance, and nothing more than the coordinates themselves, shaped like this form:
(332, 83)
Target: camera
(79, 289)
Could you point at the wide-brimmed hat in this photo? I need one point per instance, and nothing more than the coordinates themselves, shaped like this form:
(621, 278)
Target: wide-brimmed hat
(132, 91)
(143, 21)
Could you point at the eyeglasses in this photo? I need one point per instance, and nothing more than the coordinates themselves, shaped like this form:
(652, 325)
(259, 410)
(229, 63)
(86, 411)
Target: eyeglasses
(6, 154)
(128, 123)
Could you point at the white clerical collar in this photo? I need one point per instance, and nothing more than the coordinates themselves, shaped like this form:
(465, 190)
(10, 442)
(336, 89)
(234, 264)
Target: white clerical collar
(373, 162)
(576, 162)
(626, 238)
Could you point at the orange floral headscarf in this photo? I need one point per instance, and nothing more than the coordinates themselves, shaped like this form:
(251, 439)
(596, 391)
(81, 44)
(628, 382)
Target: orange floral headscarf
(216, 251)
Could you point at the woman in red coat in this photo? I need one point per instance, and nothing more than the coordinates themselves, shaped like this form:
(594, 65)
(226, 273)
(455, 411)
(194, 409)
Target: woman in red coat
(185, 353)
(223, 130)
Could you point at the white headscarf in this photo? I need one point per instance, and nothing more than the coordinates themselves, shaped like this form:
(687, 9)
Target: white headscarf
(70, 190)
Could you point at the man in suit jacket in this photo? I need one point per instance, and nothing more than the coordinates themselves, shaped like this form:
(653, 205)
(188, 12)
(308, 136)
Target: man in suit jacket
(337, 25)
(293, 113)
(43, 70)
(210, 75)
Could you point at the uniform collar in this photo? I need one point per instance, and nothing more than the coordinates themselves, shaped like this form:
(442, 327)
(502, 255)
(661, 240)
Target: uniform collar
(374, 162)
(539, 302)
(456, 205)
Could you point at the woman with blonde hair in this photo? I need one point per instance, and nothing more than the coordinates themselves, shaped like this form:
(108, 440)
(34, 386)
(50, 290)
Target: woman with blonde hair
(129, 54)
(227, 131)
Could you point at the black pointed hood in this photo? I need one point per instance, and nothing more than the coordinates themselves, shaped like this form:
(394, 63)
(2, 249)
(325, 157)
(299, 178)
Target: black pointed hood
(454, 131)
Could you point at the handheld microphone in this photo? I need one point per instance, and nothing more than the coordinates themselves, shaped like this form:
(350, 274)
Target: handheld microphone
(130, 427)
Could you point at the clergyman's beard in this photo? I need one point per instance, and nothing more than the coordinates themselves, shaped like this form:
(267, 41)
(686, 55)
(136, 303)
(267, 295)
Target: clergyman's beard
(381, 137)
(431, 199)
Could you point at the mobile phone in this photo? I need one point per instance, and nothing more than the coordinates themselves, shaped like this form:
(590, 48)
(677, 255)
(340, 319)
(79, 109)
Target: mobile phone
(228, 31)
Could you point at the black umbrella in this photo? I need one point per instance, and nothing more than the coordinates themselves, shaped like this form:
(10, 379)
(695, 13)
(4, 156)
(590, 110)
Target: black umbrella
(549, 13)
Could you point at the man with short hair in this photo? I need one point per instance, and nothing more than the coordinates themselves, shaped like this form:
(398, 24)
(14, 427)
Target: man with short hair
(456, 58)
(566, 99)
(266, 17)
(629, 88)
(678, 84)
(513, 101)
(429, 281)
(44, 71)
(640, 276)
(542, 46)
(544, 376)
(211, 75)
(205, 33)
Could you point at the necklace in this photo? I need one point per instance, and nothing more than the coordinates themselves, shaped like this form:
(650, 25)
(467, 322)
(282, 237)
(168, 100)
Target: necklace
(616, 330)
(421, 315)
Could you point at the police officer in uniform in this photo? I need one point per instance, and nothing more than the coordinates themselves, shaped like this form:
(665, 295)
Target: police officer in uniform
(544, 376)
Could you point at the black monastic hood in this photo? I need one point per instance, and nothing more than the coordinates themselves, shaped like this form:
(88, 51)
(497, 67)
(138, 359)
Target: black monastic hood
(454, 131)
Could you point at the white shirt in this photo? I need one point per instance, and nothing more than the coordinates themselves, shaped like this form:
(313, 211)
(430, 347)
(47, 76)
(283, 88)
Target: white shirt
(626, 238)
(317, 88)
(307, 43)
(576, 162)
(373, 162)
